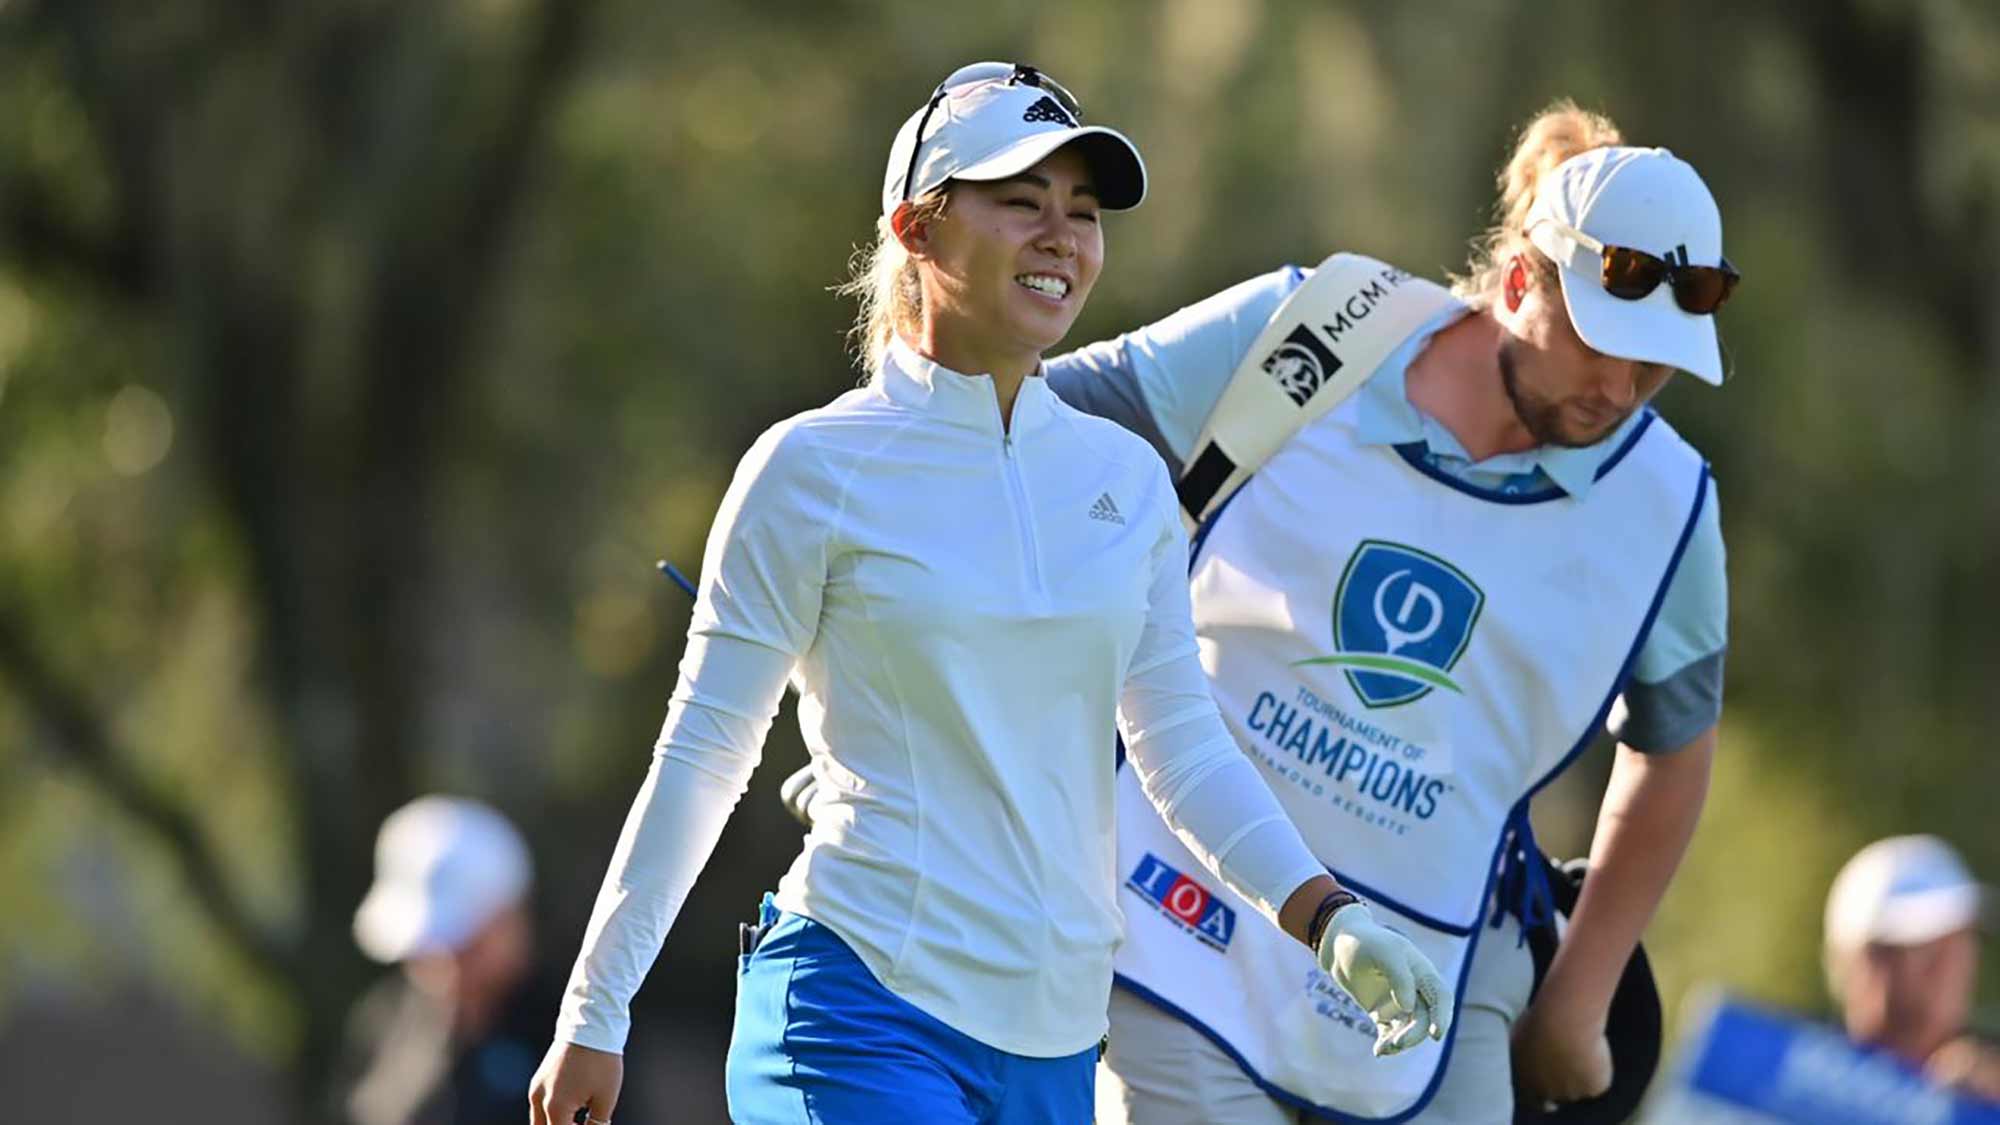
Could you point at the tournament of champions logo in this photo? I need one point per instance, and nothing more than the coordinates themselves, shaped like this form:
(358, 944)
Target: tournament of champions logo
(1401, 619)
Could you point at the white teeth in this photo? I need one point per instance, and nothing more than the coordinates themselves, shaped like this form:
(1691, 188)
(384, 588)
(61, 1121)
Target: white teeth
(1042, 283)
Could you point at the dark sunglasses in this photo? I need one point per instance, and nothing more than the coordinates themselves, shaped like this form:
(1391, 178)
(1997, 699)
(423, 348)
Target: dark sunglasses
(1631, 275)
(967, 78)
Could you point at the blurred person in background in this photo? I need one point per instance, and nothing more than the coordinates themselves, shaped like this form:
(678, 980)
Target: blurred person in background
(968, 580)
(1510, 435)
(452, 1036)
(1902, 959)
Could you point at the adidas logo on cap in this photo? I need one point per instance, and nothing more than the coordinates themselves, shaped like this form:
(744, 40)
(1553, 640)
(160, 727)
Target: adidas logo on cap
(1047, 110)
(1105, 509)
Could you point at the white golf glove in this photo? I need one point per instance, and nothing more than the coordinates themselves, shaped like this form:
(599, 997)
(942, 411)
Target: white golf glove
(1389, 977)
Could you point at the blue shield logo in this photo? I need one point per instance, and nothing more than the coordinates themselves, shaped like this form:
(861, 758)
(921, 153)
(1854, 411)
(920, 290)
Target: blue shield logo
(1401, 619)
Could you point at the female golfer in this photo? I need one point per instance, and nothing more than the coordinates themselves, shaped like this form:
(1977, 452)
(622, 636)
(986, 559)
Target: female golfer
(968, 580)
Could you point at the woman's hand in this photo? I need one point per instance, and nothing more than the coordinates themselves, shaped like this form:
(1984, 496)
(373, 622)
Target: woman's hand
(1388, 976)
(571, 1078)
(1559, 1057)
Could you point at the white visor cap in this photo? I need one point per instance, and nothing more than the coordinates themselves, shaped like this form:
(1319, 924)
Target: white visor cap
(1905, 890)
(1646, 199)
(989, 128)
(444, 867)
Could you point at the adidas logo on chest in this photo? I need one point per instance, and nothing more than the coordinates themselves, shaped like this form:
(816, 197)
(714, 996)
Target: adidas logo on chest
(1106, 509)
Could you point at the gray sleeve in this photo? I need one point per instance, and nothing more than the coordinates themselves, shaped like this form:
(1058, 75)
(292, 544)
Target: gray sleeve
(1663, 717)
(1100, 379)
(1160, 381)
(1676, 688)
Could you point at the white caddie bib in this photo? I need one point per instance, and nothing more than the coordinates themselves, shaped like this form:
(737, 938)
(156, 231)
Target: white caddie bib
(1406, 658)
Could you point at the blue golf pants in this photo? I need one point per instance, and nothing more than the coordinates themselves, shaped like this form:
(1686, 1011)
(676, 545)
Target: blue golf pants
(819, 1041)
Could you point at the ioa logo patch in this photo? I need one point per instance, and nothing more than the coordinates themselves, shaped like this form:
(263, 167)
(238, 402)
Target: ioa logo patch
(1401, 619)
(1194, 906)
(1301, 364)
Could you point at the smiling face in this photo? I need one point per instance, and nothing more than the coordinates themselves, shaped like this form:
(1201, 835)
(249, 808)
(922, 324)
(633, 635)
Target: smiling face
(1010, 264)
(1565, 393)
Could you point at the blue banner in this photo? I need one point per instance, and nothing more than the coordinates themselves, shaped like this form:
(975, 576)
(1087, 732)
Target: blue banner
(1775, 1068)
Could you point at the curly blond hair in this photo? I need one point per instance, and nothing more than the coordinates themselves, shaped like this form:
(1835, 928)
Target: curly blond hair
(1552, 136)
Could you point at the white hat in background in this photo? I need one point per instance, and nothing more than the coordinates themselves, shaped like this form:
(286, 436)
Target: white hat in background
(1905, 890)
(444, 867)
(1646, 199)
(992, 120)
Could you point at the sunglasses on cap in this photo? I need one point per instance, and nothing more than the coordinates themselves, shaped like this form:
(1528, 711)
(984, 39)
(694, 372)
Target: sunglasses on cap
(967, 78)
(1631, 275)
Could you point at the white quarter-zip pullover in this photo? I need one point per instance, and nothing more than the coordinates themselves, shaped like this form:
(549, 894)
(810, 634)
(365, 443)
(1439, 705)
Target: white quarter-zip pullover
(964, 606)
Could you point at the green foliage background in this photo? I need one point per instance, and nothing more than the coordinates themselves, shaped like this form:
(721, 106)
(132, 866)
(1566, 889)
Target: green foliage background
(357, 359)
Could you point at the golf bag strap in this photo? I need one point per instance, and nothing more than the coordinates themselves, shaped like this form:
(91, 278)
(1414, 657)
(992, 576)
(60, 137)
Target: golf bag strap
(1321, 344)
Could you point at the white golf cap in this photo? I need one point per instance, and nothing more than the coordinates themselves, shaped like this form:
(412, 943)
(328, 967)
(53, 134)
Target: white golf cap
(1645, 199)
(444, 867)
(1905, 890)
(993, 120)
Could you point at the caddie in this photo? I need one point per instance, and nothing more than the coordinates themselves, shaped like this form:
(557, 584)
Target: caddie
(1443, 539)
(1418, 611)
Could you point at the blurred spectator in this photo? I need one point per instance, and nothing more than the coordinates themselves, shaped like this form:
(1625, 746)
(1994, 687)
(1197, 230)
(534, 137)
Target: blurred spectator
(1902, 958)
(452, 1038)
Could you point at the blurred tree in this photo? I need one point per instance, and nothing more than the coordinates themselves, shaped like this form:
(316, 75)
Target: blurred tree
(305, 206)
(357, 358)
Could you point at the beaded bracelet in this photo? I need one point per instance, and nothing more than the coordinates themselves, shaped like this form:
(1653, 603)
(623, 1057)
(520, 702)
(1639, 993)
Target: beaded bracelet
(1324, 914)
